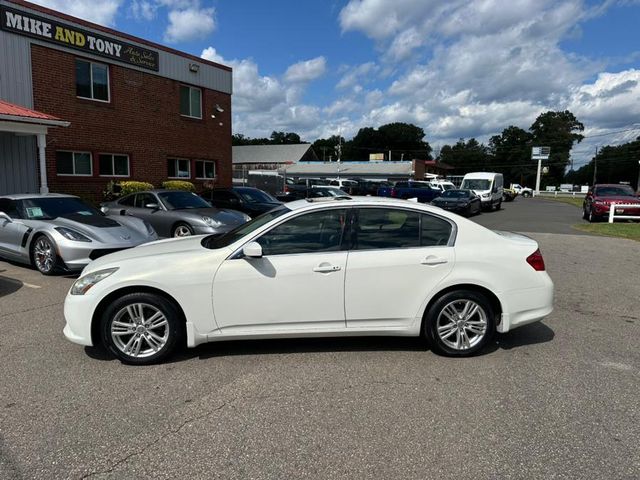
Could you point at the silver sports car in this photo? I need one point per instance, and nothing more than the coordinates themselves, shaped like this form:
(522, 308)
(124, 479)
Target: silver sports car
(174, 213)
(61, 232)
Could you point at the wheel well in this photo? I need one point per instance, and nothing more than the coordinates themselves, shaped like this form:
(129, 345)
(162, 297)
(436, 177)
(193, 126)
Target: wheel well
(495, 302)
(95, 320)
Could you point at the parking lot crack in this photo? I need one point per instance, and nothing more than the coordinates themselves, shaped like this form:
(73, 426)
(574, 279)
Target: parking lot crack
(141, 451)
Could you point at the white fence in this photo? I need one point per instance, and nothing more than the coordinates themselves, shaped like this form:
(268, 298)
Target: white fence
(622, 206)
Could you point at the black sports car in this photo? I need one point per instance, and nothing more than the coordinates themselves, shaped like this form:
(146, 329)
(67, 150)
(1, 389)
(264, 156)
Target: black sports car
(464, 202)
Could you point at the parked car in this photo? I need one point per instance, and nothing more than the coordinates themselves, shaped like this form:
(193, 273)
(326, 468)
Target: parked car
(350, 186)
(464, 202)
(488, 186)
(442, 185)
(371, 187)
(411, 189)
(251, 201)
(300, 192)
(600, 197)
(412, 270)
(174, 213)
(56, 232)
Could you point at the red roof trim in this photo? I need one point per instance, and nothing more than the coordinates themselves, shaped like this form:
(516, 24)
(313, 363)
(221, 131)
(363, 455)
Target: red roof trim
(116, 33)
(18, 111)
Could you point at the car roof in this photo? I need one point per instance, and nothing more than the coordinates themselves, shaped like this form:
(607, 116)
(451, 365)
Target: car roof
(481, 175)
(357, 201)
(27, 196)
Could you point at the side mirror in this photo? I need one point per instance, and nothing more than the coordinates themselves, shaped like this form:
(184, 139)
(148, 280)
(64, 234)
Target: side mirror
(152, 206)
(252, 250)
(5, 217)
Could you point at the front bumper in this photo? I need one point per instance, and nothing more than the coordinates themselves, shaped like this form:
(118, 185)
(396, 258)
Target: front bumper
(78, 312)
(77, 255)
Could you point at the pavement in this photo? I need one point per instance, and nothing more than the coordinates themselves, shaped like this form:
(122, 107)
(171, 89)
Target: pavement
(557, 399)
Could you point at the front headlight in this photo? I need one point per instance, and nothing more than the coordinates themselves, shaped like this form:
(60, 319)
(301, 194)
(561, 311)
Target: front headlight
(246, 217)
(72, 234)
(211, 222)
(83, 284)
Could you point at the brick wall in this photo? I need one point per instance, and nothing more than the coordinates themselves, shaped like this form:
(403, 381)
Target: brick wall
(141, 120)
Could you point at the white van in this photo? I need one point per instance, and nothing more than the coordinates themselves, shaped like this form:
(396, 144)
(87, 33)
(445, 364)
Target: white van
(487, 185)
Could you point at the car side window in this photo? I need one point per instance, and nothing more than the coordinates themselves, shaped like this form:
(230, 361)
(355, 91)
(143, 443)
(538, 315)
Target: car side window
(127, 201)
(143, 199)
(308, 233)
(386, 228)
(9, 207)
(434, 231)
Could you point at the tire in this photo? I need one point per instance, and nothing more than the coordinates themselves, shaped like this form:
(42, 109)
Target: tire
(499, 205)
(585, 214)
(451, 342)
(44, 255)
(526, 194)
(591, 217)
(145, 321)
(182, 230)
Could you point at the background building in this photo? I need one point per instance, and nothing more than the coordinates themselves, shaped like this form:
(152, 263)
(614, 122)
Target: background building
(135, 110)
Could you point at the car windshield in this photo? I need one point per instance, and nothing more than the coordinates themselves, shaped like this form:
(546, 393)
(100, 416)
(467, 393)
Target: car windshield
(182, 200)
(476, 184)
(455, 194)
(256, 196)
(615, 191)
(215, 241)
(54, 207)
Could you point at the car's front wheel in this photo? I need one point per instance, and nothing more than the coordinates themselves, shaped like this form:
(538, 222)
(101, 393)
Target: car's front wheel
(460, 323)
(182, 230)
(44, 255)
(141, 328)
(593, 218)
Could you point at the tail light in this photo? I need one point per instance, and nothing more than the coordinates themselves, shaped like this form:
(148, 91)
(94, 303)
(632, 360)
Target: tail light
(536, 261)
(394, 193)
(286, 189)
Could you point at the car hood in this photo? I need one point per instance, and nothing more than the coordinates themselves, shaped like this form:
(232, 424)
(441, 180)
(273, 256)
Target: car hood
(450, 200)
(618, 199)
(105, 229)
(228, 217)
(160, 249)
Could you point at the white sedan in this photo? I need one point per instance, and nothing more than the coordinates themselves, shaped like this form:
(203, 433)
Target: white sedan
(323, 267)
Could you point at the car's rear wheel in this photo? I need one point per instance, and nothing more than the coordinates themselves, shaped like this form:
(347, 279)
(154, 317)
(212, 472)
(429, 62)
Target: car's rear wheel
(460, 323)
(44, 255)
(141, 328)
(182, 230)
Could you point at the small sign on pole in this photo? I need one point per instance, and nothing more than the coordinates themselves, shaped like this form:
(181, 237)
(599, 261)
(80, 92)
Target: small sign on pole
(540, 153)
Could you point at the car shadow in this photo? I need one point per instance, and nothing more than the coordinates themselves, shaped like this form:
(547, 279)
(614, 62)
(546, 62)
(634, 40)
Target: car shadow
(9, 285)
(524, 336)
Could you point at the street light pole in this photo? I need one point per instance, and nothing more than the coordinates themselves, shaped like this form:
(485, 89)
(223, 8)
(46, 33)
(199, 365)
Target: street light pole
(595, 167)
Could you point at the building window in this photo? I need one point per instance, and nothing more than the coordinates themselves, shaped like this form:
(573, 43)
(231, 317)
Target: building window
(205, 170)
(190, 102)
(178, 168)
(113, 165)
(74, 163)
(92, 80)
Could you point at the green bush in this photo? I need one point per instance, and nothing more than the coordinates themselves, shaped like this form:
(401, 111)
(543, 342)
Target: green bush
(179, 185)
(132, 187)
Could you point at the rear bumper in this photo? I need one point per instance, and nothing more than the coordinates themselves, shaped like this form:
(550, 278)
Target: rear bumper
(521, 307)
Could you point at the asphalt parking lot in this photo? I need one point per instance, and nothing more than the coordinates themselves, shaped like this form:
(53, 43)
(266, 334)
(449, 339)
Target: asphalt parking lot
(558, 399)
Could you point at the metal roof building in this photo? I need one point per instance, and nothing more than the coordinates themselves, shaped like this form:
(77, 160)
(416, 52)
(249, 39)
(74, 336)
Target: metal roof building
(272, 156)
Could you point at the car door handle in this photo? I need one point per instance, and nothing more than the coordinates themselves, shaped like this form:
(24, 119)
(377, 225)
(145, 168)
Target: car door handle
(325, 268)
(433, 260)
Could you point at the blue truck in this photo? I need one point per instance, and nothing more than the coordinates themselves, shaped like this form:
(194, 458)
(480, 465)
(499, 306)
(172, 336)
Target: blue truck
(405, 190)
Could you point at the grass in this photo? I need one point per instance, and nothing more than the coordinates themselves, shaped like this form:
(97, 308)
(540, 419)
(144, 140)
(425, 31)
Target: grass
(622, 230)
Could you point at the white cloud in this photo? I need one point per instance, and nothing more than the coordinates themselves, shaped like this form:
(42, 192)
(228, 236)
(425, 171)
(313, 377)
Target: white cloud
(144, 10)
(191, 23)
(355, 75)
(103, 12)
(306, 71)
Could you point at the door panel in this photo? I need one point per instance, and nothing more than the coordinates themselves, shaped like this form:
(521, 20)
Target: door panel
(297, 292)
(398, 257)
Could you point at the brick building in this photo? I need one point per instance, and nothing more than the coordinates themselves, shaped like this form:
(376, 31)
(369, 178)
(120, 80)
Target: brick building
(123, 108)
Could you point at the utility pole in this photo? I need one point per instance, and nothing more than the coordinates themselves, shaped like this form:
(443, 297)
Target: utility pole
(638, 185)
(324, 154)
(389, 155)
(595, 167)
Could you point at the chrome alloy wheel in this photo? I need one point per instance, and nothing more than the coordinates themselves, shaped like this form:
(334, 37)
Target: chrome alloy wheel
(43, 254)
(182, 231)
(462, 324)
(139, 330)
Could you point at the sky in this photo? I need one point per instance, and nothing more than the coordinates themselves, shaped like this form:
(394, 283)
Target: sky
(458, 69)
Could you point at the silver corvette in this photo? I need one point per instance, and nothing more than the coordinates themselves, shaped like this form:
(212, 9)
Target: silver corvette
(61, 232)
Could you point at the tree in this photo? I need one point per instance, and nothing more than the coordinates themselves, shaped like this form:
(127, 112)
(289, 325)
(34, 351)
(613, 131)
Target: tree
(285, 138)
(325, 148)
(560, 131)
(511, 156)
(405, 140)
(466, 157)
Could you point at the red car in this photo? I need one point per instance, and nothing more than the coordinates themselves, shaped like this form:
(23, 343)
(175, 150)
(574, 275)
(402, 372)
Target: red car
(600, 197)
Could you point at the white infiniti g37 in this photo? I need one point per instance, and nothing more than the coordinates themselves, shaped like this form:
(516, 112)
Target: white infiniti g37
(335, 267)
